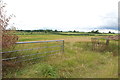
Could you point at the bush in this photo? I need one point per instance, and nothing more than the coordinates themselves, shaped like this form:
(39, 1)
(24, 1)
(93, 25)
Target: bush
(8, 37)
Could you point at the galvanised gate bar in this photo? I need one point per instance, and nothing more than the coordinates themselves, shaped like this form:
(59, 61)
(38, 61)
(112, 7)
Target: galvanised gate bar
(51, 47)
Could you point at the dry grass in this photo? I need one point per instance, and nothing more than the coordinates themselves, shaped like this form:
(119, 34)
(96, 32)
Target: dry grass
(78, 60)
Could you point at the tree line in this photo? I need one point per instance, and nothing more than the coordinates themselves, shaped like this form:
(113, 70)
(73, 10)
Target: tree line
(41, 30)
(50, 30)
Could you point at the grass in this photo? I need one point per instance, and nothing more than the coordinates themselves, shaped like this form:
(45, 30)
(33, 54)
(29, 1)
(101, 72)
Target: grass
(78, 60)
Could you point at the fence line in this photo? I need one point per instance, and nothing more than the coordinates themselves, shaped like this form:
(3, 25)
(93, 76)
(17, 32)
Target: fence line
(96, 44)
(19, 57)
(28, 55)
(38, 41)
(36, 58)
(29, 49)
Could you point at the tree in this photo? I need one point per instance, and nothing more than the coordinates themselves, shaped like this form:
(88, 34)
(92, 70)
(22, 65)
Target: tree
(69, 31)
(97, 31)
(109, 32)
(56, 31)
(74, 31)
(92, 31)
(8, 38)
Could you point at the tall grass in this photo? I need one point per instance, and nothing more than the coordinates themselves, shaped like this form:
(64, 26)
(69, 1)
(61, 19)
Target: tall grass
(78, 61)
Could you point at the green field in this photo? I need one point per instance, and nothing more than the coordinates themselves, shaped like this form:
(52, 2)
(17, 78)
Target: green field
(77, 61)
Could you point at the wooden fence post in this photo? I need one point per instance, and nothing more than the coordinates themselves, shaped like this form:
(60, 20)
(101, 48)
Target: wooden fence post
(107, 41)
(63, 46)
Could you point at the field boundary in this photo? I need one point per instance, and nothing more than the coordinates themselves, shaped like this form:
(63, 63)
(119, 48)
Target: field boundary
(61, 50)
(97, 43)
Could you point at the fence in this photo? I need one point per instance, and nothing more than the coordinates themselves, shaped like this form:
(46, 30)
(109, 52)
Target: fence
(49, 48)
(98, 44)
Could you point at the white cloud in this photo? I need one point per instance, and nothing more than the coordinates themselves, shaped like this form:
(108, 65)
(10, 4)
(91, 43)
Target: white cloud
(62, 14)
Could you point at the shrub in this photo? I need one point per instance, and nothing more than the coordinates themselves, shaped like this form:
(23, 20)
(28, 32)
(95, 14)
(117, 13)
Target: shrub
(8, 37)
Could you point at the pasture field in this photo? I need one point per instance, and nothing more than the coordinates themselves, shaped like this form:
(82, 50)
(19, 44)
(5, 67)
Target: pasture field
(77, 61)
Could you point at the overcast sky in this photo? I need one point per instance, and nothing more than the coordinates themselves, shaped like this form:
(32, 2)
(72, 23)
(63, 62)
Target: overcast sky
(64, 15)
